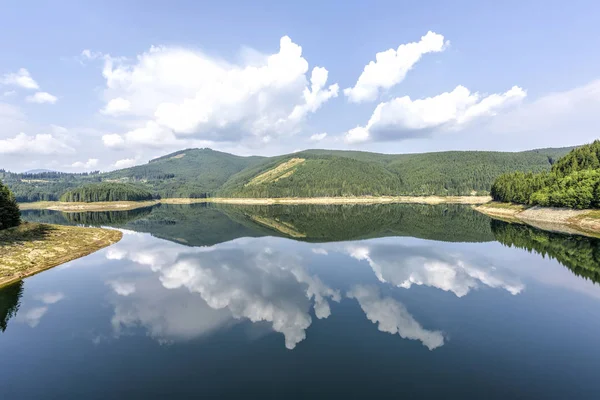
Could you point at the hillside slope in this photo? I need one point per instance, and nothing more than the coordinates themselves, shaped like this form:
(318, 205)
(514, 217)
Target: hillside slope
(343, 173)
(205, 173)
(186, 173)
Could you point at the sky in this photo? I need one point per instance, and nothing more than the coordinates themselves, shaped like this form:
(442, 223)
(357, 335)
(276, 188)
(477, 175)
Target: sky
(105, 85)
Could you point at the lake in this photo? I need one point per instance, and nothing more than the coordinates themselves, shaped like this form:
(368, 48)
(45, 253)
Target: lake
(381, 301)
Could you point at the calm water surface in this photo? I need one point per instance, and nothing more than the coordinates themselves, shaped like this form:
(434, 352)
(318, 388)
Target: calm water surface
(390, 301)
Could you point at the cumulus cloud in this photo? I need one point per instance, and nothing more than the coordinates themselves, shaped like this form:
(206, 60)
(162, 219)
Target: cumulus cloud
(251, 282)
(404, 266)
(122, 288)
(320, 250)
(89, 164)
(51, 298)
(125, 163)
(33, 316)
(9, 93)
(392, 317)
(113, 140)
(42, 97)
(544, 121)
(38, 144)
(317, 137)
(183, 93)
(21, 78)
(167, 315)
(403, 117)
(391, 66)
(116, 106)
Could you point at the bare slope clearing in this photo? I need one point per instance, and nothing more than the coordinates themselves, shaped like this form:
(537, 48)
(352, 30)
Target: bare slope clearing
(281, 171)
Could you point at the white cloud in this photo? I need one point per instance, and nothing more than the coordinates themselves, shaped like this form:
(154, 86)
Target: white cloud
(320, 250)
(317, 137)
(122, 288)
(183, 93)
(240, 277)
(403, 118)
(42, 97)
(125, 163)
(91, 55)
(404, 266)
(116, 106)
(21, 78)
(9, 93)
(113, 140)
(51, 298)
(32, 317)
(391, 66)
(89, 164)
(392, 317)
(38, 144)
(556, 119)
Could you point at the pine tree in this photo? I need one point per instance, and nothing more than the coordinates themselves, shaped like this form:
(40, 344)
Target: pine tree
(9, 209)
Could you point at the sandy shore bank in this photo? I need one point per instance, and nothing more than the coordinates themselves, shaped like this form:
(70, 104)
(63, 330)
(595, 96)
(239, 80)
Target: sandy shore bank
(584, 222)
(130, 205)
(31, 248)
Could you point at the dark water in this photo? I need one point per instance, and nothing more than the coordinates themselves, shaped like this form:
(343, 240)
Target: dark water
(390, 301)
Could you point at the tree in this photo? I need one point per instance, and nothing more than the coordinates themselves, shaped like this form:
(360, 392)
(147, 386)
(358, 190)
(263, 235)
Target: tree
(10, 300)
(9, 209)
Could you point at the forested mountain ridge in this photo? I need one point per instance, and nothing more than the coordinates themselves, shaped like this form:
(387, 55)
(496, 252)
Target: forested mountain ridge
(343, 173)
(209, 173)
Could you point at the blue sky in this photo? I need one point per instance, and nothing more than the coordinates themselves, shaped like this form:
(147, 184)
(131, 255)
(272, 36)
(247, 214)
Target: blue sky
(160, 76)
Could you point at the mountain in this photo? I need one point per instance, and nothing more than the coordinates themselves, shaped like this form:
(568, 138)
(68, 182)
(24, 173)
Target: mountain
(205, 172)
(186, 173)
(342, 173)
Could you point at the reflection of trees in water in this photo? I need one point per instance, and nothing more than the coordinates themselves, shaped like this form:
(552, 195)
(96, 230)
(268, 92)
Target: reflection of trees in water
(207, 224)
(10, 300)
(580, 254)
(107, 218)
(450, 222)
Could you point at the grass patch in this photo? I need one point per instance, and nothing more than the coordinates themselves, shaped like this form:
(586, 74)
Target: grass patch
(31, 248)
(281, 171)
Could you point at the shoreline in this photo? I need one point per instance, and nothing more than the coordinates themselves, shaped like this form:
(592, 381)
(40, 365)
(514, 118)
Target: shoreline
(563, 220)
(31, 248)
(131, 205)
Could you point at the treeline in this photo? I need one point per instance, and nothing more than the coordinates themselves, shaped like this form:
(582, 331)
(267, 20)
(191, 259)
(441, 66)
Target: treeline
(580, 254)
(574, 181)
(9, 210)
(107, 192)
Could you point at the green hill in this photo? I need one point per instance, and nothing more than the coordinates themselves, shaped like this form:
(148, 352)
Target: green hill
(186, 173)
(342, 173)
(208, 173)
(573, 181)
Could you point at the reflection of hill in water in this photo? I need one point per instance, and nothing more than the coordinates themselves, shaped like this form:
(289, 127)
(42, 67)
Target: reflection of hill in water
(317, 223)
(208, 224)
(580, 254)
